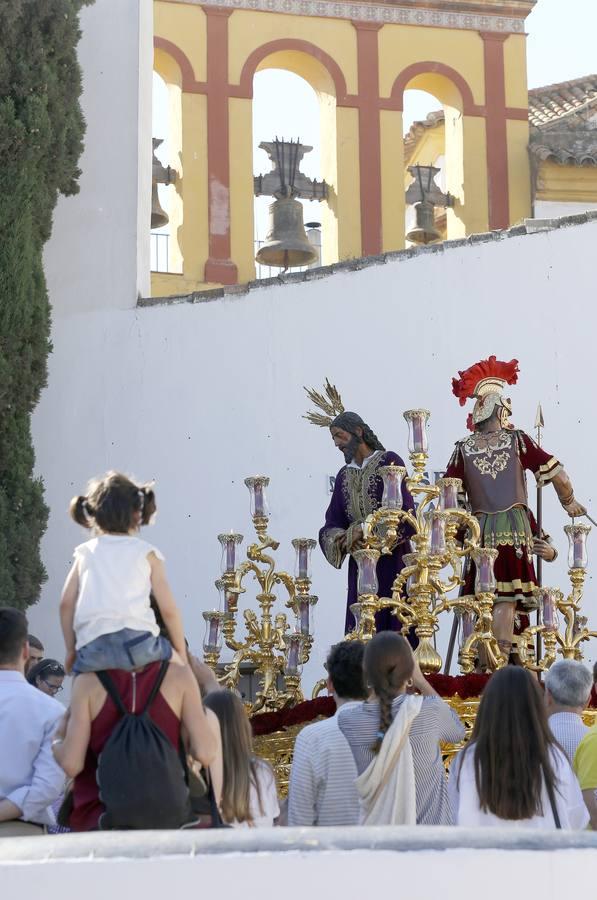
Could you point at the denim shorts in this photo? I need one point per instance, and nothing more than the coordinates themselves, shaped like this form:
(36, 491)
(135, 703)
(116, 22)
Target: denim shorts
(126, 649)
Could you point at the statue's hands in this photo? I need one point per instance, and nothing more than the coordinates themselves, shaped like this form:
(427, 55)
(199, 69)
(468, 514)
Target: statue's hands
(574, 508)
(357, 539)
(544, 550)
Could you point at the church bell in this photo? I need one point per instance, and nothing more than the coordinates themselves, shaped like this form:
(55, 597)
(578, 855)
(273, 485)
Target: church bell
(286, 244)
(425, 195)
(158, 216)
(425, 231)
(159, 175)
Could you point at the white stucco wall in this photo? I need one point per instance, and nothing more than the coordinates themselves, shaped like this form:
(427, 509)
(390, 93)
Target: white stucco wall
(548, 209)
(98, 256)
(200, 395)
(418, 863)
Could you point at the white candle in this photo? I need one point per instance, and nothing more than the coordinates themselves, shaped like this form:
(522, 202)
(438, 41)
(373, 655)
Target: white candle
(259, 505)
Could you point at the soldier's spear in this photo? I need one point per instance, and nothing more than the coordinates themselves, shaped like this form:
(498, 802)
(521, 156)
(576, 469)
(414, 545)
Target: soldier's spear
(539, 425)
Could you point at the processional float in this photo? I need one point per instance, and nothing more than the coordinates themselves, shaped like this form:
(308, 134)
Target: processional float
(444, 536)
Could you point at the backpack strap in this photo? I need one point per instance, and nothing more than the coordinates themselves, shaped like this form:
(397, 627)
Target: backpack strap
(157, 685)
(112, 691)
(552, 802)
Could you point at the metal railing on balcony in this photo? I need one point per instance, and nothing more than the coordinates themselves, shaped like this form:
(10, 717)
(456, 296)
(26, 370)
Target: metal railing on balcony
(159, 250)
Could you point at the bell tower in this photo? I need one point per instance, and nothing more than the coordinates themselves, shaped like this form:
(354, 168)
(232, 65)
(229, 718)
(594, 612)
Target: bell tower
(359, 58)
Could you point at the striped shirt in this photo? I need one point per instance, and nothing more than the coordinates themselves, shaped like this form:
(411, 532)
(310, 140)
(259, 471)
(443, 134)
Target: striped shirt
(322, 778)
(436, 722)
(568, 730)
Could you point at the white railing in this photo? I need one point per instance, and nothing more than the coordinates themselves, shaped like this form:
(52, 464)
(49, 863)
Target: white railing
(159, 250)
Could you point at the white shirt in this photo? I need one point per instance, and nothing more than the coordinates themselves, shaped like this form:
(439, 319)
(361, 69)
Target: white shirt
(262, 815)
(114, 587)
(366, 461)
(29, 775)
(568, 798)
(322, 787)
(568, 729)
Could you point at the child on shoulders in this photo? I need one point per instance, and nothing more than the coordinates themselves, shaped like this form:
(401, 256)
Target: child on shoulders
(105, 610)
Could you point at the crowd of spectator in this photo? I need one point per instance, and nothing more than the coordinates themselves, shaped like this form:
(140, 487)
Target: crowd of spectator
(151, 740)
(530, 761)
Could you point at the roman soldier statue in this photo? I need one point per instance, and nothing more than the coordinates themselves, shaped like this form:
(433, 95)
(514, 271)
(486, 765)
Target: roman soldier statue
(358, 491)
(492, 463)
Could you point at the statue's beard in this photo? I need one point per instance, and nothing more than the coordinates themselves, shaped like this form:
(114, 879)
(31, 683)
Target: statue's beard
(351, 448)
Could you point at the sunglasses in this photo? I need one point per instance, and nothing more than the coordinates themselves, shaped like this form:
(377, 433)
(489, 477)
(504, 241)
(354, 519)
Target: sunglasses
(52, 669)
(53, 688)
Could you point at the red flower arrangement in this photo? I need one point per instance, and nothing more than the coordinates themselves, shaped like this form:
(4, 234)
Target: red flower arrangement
(463, 686)
(267, 723)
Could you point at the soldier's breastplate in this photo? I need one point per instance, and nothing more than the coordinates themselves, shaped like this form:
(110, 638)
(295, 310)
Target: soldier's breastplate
(493, 476)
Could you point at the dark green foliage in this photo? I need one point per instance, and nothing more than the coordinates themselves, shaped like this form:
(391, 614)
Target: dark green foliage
(41, 139)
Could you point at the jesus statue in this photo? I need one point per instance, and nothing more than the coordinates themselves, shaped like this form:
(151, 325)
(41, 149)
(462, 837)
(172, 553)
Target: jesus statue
(358, 491)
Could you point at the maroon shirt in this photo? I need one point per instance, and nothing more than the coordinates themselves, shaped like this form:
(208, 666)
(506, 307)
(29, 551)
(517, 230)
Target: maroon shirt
(87, 807)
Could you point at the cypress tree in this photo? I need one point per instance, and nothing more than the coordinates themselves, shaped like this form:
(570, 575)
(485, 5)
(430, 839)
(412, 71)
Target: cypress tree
(41, 139)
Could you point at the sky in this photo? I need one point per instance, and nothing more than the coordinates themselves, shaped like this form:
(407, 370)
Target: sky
(562, 45)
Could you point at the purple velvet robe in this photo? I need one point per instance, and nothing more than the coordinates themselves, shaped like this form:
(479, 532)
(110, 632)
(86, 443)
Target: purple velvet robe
(357, 493)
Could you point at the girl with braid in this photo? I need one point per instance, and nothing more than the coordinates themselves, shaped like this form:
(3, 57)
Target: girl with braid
(395, 739)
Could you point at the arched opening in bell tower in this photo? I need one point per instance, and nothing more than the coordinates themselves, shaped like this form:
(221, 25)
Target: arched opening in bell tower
(463, 174)
(319, 82)
(297, 117)
(166, 239)
(424, 144)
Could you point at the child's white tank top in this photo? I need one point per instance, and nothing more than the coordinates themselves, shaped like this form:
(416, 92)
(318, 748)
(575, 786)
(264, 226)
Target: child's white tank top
(114, 587)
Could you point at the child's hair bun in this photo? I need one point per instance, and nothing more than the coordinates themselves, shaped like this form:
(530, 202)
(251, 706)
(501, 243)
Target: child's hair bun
(149, 504)
(80, 511)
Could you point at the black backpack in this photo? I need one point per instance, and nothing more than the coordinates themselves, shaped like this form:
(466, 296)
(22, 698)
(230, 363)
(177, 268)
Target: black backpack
(142, 782)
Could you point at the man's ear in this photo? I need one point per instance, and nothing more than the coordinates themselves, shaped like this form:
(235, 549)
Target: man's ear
(25, 653)
(359, 432)
(330, 686)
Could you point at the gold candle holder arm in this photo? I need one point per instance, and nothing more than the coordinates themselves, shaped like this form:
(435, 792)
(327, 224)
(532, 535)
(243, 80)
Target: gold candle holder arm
(231, 675)
(403, 611)
(570, 607)
(391, 519)
(482, 636)
(430, 494)
(320, 686)
(525, 644)
(294, 588)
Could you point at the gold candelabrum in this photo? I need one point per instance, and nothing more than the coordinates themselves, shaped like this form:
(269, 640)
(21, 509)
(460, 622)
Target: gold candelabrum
(567, 636)
(444, 536)
(276, 647)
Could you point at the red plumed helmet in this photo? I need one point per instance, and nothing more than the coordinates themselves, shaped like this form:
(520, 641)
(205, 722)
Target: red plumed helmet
(490, 373)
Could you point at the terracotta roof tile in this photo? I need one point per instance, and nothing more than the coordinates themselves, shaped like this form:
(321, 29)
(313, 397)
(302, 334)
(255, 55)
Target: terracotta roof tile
(417, 129)
(552, 102)
(563, 120)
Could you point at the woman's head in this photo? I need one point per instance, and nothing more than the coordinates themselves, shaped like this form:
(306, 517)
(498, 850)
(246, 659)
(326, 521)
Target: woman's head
(237, 751)
(115, 504)
(388, 664)
(512, 742)
(47, 676)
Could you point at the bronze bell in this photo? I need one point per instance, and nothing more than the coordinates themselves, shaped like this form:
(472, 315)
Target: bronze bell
(425, 231)
(158, 216)
(286, 244)
(159, 175)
